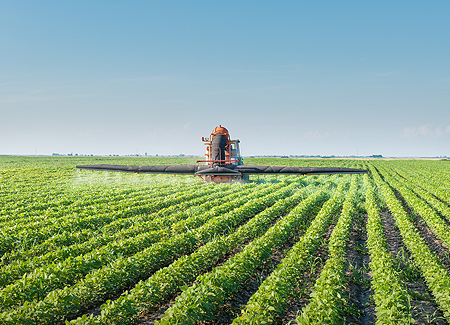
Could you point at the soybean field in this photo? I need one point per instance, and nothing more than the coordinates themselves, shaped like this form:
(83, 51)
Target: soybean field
(82, 247)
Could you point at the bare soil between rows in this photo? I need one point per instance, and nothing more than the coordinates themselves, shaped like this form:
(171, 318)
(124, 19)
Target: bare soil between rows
(424, 309)
(360, 308)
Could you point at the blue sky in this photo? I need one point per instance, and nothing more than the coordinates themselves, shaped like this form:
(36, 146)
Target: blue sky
(290, 77)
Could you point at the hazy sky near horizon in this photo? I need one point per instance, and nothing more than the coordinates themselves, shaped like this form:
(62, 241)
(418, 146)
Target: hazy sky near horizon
(289, 77)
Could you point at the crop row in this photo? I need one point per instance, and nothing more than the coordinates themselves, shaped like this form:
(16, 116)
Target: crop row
(25, 237)
(37, 284)
(271, 298)
(427, 192)
(428, 178)
(431, 184)
(435, 274)
(97, 286)
(113, 203)
(58, 203)
(391, 301)
(216, 204)
(178, 217)
(432, 219)
(65, 238)
(328, 299)
(200, 301)
(147, 295)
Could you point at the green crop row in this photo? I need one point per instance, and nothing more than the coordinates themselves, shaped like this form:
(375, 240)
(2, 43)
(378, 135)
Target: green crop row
(65, 238)
(435, 274)
(159, 218)
(127, 222)
(30, 235)
(200, 301)
(391, 301)
(425, 181)
(59, 203)
(431, 179)
(272, 296)
(114, 277)
(35, 285)
(327, 300)
(419, 186)
(432, 219)
(16, 269)
(147, 295)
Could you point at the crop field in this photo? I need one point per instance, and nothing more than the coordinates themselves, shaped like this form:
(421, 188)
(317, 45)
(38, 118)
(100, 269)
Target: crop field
(84, 247)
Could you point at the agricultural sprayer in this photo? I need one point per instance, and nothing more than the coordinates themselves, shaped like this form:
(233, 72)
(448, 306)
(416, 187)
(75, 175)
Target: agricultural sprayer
(223, 164)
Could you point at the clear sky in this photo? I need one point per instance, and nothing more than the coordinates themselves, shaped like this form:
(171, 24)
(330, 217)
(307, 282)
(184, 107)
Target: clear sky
(285, 77)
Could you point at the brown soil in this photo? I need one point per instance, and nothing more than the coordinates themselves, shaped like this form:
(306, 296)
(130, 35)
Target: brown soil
(423, 308)
(301, 297)
(360, 308)
(232, 309)
(433, 242)
(426, 233)
(150, 317)
(444, 218)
